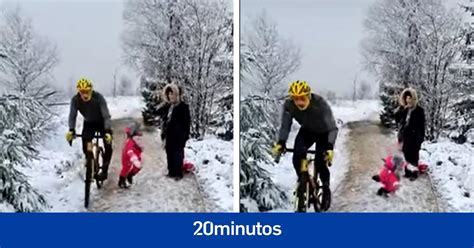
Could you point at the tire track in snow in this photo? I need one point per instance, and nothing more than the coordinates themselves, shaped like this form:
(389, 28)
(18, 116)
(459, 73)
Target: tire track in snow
(152, 190)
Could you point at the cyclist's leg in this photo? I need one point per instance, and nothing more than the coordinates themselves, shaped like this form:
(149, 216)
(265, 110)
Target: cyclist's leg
(87, 135)
(320, 164)
(304, 140)
(107, 153)
(322, 169)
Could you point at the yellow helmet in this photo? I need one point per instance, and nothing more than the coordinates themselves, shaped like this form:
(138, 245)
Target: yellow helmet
(84, 84)
(299, 88)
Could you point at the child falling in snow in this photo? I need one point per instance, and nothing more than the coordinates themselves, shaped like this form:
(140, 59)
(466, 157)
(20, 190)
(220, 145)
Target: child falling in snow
(131, 156)
(389, 175)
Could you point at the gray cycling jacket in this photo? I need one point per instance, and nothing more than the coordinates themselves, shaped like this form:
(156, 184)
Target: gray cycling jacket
(95, 110)
(317, 118)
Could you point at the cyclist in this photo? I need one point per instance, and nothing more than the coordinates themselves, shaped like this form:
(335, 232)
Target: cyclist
(93, 107)
(314, 115)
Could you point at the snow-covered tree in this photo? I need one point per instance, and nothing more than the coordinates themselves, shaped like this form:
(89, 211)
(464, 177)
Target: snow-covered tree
(461, 118)
(187, 42)
(23, 122)
(258, 126)
(223, 117)
(389, 100)
(413, 44)
(151, 98)
(390, 49)
(27, 58)
(270, 58)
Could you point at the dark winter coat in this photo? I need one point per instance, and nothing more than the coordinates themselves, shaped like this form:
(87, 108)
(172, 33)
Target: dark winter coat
(411, 122)
(93, 111)
(317, 118)
(176, 120)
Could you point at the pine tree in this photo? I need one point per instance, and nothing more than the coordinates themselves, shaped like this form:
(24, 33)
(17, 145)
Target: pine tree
(389, 101)
(152, 100)
(151, 93)
(23, 122)
(258, 128)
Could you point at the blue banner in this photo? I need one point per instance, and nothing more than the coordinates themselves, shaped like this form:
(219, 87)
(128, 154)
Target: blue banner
(236, 230)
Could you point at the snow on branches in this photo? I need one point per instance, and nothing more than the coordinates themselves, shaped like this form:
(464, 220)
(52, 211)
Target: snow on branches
(23, 122)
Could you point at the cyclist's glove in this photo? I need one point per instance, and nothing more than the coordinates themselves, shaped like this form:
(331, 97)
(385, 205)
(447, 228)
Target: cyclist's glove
(328, 156)
(108, 136)
(279, 148)
(70, 135)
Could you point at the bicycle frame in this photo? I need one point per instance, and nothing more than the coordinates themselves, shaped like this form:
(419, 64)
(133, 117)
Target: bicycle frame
(92, 165)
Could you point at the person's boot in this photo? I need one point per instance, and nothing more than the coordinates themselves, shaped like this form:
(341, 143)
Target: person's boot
(411, 172)
(178, 177)
(382, 192)
(122, 183)
(326, 201)
(376, 178)
(130, 179)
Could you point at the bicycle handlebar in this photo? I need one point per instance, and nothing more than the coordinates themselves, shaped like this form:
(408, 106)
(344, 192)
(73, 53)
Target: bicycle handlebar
(293, 150)
(95, 136)
(277, 158)
(80, 135)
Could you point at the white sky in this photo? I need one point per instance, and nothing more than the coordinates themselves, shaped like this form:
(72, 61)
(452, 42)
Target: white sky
(329, 33)
(87, 34)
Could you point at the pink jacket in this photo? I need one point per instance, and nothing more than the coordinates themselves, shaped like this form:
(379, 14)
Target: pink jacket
(131, 158)
(388, 178)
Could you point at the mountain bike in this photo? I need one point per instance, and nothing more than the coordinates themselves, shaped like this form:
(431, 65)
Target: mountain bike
(93, 166)
(308, 190)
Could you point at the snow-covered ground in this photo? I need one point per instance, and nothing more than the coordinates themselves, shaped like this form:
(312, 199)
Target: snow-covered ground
(58, 175)
(452, 173)
(213, 161)
(344, 112)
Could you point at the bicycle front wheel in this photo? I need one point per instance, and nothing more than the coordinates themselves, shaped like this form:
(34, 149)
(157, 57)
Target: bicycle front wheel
(98, 168)
(301, 197)
(87, 184)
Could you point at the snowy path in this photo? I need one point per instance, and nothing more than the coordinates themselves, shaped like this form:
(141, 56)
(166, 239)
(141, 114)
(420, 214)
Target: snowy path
(152, 191)
(367, 144)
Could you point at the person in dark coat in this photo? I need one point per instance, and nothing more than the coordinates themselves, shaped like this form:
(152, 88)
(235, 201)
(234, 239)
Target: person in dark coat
(175, 129)
(411, 121)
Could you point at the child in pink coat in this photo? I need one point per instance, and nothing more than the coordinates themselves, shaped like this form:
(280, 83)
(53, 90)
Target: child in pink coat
(389, 175)
(131, 156)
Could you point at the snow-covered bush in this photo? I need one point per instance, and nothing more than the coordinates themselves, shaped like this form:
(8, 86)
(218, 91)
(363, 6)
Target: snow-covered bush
(259, 124)
(23, 122)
